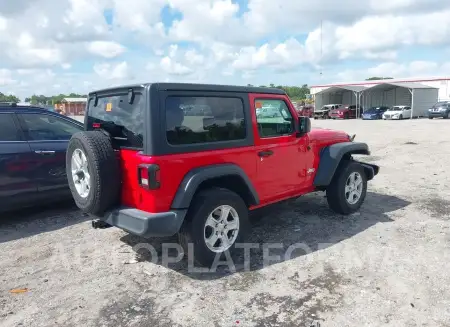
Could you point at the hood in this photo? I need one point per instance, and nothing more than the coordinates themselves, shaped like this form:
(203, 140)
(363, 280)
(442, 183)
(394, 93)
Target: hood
(323, 137)
(393, 112)
(372, 112)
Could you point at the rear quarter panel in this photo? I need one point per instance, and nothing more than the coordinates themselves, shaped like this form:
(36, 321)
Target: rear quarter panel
(173, 168)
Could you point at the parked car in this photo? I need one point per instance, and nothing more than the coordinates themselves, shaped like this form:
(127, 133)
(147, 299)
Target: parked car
(306, 111)
(324, 112)
(440, 109)
(397, 112)
(171, 176)
(33, 144)
(346, 112)
(268, 112)
(374, 113)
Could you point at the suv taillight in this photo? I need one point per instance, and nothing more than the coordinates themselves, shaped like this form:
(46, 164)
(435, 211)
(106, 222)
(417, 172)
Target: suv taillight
(148, 176)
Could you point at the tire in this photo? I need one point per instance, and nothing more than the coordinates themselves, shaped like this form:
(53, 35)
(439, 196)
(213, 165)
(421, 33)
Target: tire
(336, 191)
(346, 116)
(103, 168)
(447, 116)
(194, 228)
(400, 117)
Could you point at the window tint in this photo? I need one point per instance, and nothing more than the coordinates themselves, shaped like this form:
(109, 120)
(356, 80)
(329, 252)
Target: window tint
(191, 120)
(42, 127)
(124, 121)
(278, 122)
(8, 129)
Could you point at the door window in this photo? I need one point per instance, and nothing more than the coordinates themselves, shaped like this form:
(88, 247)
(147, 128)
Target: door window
(277, 122)
(42, 127)
(8, 129)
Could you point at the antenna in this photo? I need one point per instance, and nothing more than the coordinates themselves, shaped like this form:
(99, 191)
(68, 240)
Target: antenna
(321, 45)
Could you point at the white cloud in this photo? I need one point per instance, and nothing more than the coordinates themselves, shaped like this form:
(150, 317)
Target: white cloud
(172, 67)
(194, 58)
(270, 41)
(106, 49)
(110, 71)
(6, 77)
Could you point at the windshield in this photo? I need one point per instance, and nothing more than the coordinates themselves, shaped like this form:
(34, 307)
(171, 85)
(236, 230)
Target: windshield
(124, 121)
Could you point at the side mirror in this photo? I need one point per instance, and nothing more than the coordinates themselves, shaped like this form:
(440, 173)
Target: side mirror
(304, 125)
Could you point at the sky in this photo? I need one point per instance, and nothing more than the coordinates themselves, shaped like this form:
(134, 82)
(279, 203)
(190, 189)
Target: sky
(63, 46)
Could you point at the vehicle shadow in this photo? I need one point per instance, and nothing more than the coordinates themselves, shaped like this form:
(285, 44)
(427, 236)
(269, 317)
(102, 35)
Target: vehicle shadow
(35, 220)
(306, 221)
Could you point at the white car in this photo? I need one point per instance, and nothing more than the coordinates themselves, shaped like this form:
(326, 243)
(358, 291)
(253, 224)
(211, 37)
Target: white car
(397, 112)
(268, 112)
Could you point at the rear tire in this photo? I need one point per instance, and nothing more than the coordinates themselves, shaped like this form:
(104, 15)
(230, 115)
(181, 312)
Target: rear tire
(209, 206)
(102, 167)
(345, 196)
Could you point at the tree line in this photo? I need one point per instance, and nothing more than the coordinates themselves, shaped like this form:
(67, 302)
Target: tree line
(8, 98)
(50, 100)
(294, 92)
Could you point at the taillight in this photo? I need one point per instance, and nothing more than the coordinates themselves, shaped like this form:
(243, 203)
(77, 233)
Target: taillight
(148, 176)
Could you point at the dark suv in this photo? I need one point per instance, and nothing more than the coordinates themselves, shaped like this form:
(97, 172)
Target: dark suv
(440, 109)
(153, 169)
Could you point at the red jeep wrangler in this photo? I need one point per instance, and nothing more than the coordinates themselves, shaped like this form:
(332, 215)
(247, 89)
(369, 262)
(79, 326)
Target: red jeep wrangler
(161, 159)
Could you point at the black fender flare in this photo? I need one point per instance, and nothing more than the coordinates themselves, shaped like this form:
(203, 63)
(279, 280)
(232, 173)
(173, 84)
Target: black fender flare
(196, 176)
(331, 156)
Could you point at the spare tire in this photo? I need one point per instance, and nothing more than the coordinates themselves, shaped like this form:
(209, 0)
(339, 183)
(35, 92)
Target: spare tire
(93, 172)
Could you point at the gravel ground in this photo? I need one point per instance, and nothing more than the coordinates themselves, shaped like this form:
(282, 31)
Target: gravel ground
(386, 265)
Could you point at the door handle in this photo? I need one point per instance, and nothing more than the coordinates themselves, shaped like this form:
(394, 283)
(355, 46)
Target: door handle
(44, 152)
(266, 153)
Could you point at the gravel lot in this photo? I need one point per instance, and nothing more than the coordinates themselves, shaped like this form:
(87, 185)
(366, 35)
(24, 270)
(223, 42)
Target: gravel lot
(387, 265)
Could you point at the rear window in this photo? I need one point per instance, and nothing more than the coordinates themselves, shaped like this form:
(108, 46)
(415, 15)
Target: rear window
(123, 120)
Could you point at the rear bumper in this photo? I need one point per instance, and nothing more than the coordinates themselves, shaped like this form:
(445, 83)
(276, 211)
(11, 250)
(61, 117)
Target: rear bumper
(146, 224)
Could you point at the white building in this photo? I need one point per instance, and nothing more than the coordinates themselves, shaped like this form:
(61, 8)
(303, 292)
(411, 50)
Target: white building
(419, 93)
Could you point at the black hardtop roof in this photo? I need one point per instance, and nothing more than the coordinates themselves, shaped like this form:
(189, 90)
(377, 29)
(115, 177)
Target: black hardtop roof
(197, 87)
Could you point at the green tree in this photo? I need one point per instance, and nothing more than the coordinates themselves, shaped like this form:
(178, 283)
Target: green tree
(8, 98)
(53, 99)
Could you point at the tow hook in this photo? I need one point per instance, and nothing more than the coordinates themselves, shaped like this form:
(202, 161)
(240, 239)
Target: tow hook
(100, 224)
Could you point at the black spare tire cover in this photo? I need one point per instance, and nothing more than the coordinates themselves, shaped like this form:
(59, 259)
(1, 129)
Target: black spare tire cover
(104, 170)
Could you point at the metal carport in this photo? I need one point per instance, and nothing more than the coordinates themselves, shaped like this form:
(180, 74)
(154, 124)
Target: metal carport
(419, 97)
(345, 94)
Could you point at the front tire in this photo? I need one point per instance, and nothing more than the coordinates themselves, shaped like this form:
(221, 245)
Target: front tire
(348, 188)
(217, 220)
